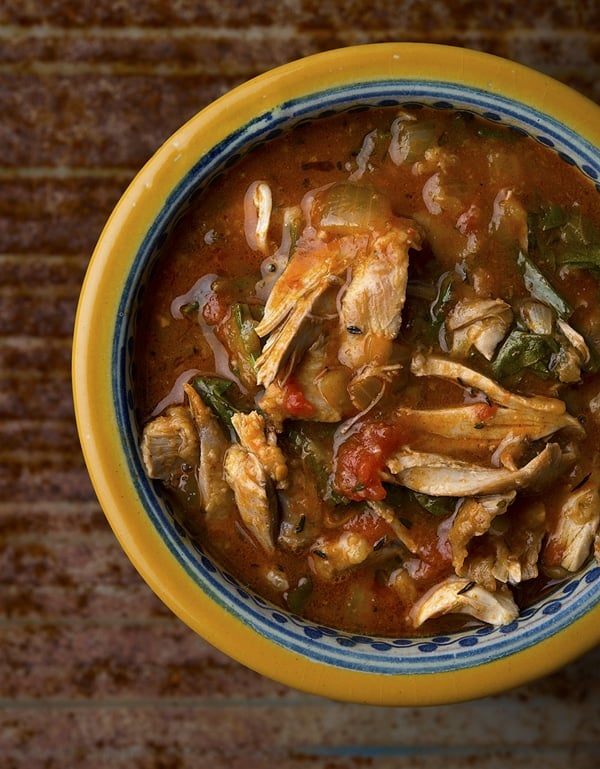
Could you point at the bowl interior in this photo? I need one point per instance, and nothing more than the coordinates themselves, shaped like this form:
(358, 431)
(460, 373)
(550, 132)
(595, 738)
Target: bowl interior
(383, 656)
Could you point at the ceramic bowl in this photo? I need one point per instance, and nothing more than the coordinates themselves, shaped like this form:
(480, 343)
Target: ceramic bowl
(303, 655)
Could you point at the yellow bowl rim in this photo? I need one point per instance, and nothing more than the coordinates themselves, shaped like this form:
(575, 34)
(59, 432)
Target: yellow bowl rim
(91, 368)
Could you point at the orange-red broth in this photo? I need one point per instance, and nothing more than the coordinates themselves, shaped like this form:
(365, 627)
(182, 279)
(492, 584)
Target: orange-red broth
(210, 239)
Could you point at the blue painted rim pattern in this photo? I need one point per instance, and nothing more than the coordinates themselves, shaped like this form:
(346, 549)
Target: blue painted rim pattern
(385, 656)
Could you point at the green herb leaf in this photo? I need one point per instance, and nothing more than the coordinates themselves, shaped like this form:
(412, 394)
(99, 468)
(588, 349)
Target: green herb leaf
(212, 391)
(439, 506)
(522, 350)
(540, 287)
(248, 339)
(565, 237)
(311, 442)
(444, 296)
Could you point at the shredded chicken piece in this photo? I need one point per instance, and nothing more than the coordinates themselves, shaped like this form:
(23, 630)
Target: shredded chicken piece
(330, 557)
(314, 268)
(488, 549)
(574, 354)
(371, 307)
(434, 365)
(388, 514)
(457, 595)
(362, 254)
(252, 469)
(492, 566)
(441, 476)
(479, 323)
(571, 542)
(481, 424)
(509, 451)
(473, 519)
(257, 438)
(273, 404)
(524, 541)
(169, 441)
(324, 386)
(254, 494)
(575, 340)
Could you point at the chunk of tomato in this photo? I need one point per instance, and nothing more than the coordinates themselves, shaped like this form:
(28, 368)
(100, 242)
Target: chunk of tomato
(294, 401)
(361, 459)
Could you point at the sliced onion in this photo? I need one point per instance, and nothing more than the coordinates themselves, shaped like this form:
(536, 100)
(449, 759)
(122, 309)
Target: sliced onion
(344, 208)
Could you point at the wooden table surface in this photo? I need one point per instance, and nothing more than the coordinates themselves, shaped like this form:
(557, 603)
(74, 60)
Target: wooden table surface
(94, 671)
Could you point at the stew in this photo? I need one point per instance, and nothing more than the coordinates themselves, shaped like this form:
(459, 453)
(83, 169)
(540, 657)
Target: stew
(366, 367)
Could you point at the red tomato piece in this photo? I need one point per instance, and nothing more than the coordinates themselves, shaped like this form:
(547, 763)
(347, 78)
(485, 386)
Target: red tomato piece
(294, 401)
(361, 460)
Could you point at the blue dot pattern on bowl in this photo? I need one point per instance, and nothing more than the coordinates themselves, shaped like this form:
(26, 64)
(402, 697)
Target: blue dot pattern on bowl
(385, 656)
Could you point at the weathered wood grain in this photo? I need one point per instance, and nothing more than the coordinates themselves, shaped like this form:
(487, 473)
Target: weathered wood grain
(253, 729)
(311, 14)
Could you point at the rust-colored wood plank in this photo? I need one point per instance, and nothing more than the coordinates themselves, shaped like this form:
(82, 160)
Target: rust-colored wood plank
(294, 731)
(44, 215)
(357, 13)
(95, 120)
